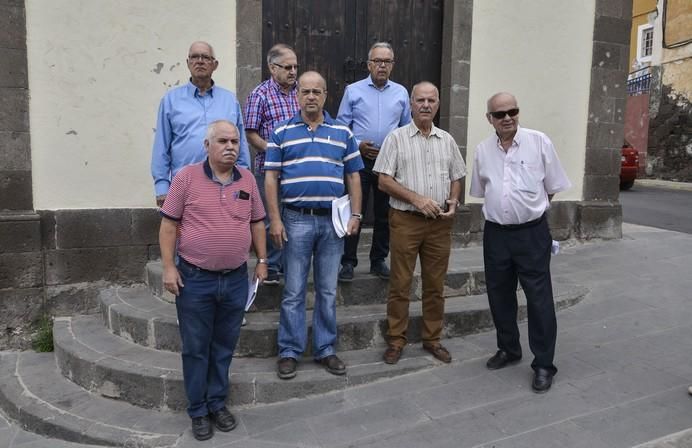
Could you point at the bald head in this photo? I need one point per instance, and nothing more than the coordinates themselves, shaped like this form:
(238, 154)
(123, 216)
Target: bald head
(312, 78)
(312, 93)
(503, 114)
(501, 97)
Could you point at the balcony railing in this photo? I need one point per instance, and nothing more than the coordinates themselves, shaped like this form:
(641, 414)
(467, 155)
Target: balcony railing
(639, 85)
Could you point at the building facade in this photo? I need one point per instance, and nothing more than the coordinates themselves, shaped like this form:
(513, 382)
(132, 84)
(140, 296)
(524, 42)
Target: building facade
(84, 78)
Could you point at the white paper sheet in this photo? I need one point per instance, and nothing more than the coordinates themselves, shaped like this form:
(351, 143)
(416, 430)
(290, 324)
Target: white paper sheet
(341, 213)
(251, 293)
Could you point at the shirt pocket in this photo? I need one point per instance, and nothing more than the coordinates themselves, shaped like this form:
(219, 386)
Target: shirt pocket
(241, 209)
(527, 177)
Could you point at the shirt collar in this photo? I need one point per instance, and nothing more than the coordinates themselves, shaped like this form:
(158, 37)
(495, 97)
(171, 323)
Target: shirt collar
(275, 85)
(413, 130)
(372, 83)
(193, 90)
(517, 137)
(210, 174)
(298, 118)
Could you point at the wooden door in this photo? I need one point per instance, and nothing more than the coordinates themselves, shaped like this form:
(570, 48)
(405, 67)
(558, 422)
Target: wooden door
(333, 37)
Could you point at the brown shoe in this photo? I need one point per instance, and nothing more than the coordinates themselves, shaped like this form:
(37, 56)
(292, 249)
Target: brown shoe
(392, 354)
(439, 352)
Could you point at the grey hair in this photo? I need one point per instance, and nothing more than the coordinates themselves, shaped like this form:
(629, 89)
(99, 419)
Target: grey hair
(211, 49)
(386, 45)
(277, 51)
(211, 129)
(422, 83)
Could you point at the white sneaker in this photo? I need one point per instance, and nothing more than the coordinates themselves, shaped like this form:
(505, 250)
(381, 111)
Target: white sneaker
(244, 322)
(689, 390)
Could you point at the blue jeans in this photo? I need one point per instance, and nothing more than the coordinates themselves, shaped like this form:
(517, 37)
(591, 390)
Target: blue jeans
(310, 238)
(274, 254)
(210, 309)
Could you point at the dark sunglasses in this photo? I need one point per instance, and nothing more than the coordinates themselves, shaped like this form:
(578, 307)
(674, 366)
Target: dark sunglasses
(500, 114)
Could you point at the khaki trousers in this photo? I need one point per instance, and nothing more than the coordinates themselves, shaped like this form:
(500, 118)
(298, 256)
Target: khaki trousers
(411, 236)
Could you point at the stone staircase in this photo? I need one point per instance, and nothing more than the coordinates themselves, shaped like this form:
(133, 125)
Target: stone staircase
(115, 377)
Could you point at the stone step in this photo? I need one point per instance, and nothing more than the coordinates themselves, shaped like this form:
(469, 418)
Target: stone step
(365, 288)
(133, 313)
(35, 394)
(110, 366)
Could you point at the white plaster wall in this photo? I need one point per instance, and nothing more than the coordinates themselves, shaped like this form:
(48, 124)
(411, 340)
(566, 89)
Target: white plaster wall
(539, 50)
(97, 70)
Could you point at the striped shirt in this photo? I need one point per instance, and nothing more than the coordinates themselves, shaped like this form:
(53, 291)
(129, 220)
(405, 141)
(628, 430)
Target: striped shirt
(312, 163)
(266, 106)
(424, 165)
(516, 183)
(214, 219)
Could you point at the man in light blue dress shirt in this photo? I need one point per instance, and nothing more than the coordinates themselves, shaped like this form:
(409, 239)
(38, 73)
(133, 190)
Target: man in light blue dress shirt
(372, 108)
(184, 114)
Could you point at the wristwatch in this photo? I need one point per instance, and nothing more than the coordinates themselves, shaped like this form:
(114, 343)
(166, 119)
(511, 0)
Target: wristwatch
(358, 216)
(262, 260)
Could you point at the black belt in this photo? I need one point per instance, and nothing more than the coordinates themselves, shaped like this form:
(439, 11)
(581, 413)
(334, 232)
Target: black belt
(415, 213)
(221, 272)
(310, 211)
(524, 225)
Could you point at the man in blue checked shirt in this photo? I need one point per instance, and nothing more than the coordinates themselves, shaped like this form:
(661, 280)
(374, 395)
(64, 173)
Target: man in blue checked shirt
(184, 114)
(373, 107)
(271, 102)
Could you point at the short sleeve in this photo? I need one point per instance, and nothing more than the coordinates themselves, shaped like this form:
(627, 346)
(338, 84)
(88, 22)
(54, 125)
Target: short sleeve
(174, 205)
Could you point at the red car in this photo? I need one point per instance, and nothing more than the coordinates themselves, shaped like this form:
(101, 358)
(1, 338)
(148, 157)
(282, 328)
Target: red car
(629, 166)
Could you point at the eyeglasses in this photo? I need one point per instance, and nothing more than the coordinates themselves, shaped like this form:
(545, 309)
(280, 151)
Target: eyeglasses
(500, 114)
(316, 92)
(201, 57)
(378, 62)
(288, 68)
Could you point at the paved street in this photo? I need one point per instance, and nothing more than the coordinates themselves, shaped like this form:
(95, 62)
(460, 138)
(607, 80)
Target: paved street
(661, 204)
(623, 355)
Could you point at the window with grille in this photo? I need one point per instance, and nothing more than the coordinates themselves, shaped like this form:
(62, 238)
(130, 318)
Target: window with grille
(645, 44)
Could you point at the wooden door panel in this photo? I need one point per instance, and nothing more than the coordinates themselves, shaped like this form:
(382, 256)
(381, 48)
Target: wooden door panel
(333, 38)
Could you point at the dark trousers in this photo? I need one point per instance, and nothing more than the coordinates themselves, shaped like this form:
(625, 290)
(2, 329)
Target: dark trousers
(380, 235)
(210, 311)
(521, 253)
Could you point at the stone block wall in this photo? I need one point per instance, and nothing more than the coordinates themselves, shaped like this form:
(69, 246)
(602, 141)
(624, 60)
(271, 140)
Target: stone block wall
(605, 129)
(669, 153)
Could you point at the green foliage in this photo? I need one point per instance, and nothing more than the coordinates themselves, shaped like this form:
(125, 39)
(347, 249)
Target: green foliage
(43, 338)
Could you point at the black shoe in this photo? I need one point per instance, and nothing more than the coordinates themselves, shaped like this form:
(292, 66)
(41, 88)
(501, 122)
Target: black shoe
(542, 380)
(333, 364)
(501, 359)
(223, 420)
(346, 273)
(380, 269)
(286, 368)
(201, 428)
(272, 278)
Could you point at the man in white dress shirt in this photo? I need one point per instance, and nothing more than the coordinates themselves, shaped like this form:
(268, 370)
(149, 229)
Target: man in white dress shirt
(516, 170)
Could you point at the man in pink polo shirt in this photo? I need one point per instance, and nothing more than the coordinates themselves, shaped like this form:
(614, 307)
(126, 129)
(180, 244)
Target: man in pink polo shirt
(214, 211)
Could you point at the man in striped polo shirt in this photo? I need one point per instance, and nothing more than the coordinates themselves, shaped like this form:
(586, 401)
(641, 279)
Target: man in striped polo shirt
(421, 169)
(215, 212)
(311, 154)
